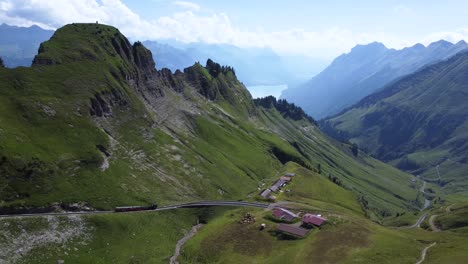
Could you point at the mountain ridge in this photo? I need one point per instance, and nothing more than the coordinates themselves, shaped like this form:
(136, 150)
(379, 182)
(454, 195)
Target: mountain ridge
(19, 46)
(102, 115)
(364, 70)
(93, 125)
(415, 122)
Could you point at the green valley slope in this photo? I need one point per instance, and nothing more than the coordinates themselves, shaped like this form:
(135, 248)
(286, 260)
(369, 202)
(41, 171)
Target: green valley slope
(418, 124)
(93, 121)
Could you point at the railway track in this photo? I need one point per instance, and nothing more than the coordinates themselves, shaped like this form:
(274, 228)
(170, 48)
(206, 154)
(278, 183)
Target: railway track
(162, 208)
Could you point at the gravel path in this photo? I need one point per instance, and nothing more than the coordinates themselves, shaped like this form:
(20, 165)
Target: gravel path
(424, 252)
(432, 224)
(182, 241)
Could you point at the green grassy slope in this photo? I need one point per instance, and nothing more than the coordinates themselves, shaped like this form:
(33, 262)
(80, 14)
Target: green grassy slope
(121, 238)
(453, 218)
(92, 121)
(383, 189)
(416, 123)
(347, 237)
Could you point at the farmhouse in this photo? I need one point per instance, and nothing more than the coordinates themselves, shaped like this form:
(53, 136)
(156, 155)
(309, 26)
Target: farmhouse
(311, 219)
(284, 214)
(265, 193)
(278, 185)
(294, 230)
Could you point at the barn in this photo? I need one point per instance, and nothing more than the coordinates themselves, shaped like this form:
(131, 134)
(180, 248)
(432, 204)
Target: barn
(311, 219)
(266, 193)
(293, 230)
(284, 214)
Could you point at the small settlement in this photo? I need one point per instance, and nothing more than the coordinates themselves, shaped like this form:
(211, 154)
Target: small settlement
(300, 229)
(277, 186)
(309, 221)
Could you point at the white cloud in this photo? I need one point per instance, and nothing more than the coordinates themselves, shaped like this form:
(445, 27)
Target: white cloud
(191, 26)
(187, 5)
(401, 9)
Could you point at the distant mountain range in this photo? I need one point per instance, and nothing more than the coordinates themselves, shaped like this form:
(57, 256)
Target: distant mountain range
(418, 123)
(254, 66)
(18, 45)
(364, 70)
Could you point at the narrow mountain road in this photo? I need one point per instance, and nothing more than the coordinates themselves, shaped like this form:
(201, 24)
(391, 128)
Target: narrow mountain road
(432, 219)
(182, 241)
(162, 208)
(420, 220)
(424, 252)
(432, 224)
(427, 202)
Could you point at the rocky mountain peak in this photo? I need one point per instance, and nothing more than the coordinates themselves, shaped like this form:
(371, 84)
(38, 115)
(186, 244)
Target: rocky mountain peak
(92, 42)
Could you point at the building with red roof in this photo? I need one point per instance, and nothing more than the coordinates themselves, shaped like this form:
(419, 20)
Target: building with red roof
(284, 214)
(293, 230)
(311, 219)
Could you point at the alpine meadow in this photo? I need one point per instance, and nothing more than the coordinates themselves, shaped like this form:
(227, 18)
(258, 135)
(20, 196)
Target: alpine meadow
(131, 132)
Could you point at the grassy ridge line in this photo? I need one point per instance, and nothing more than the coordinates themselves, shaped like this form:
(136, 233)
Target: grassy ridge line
(211, 144)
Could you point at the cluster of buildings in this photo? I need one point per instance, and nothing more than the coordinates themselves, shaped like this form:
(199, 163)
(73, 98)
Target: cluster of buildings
(277, 186)
(308, 221)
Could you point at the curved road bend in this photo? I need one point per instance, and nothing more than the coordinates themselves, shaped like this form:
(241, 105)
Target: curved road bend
(162, 208)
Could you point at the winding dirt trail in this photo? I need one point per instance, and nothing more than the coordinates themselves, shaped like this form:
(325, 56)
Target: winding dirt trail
(432, 224)
(182, 241)
(449, 208)
(424, 252)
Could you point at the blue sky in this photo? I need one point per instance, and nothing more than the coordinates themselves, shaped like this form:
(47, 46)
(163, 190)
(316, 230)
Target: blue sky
(401, 17)
(322, 29)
